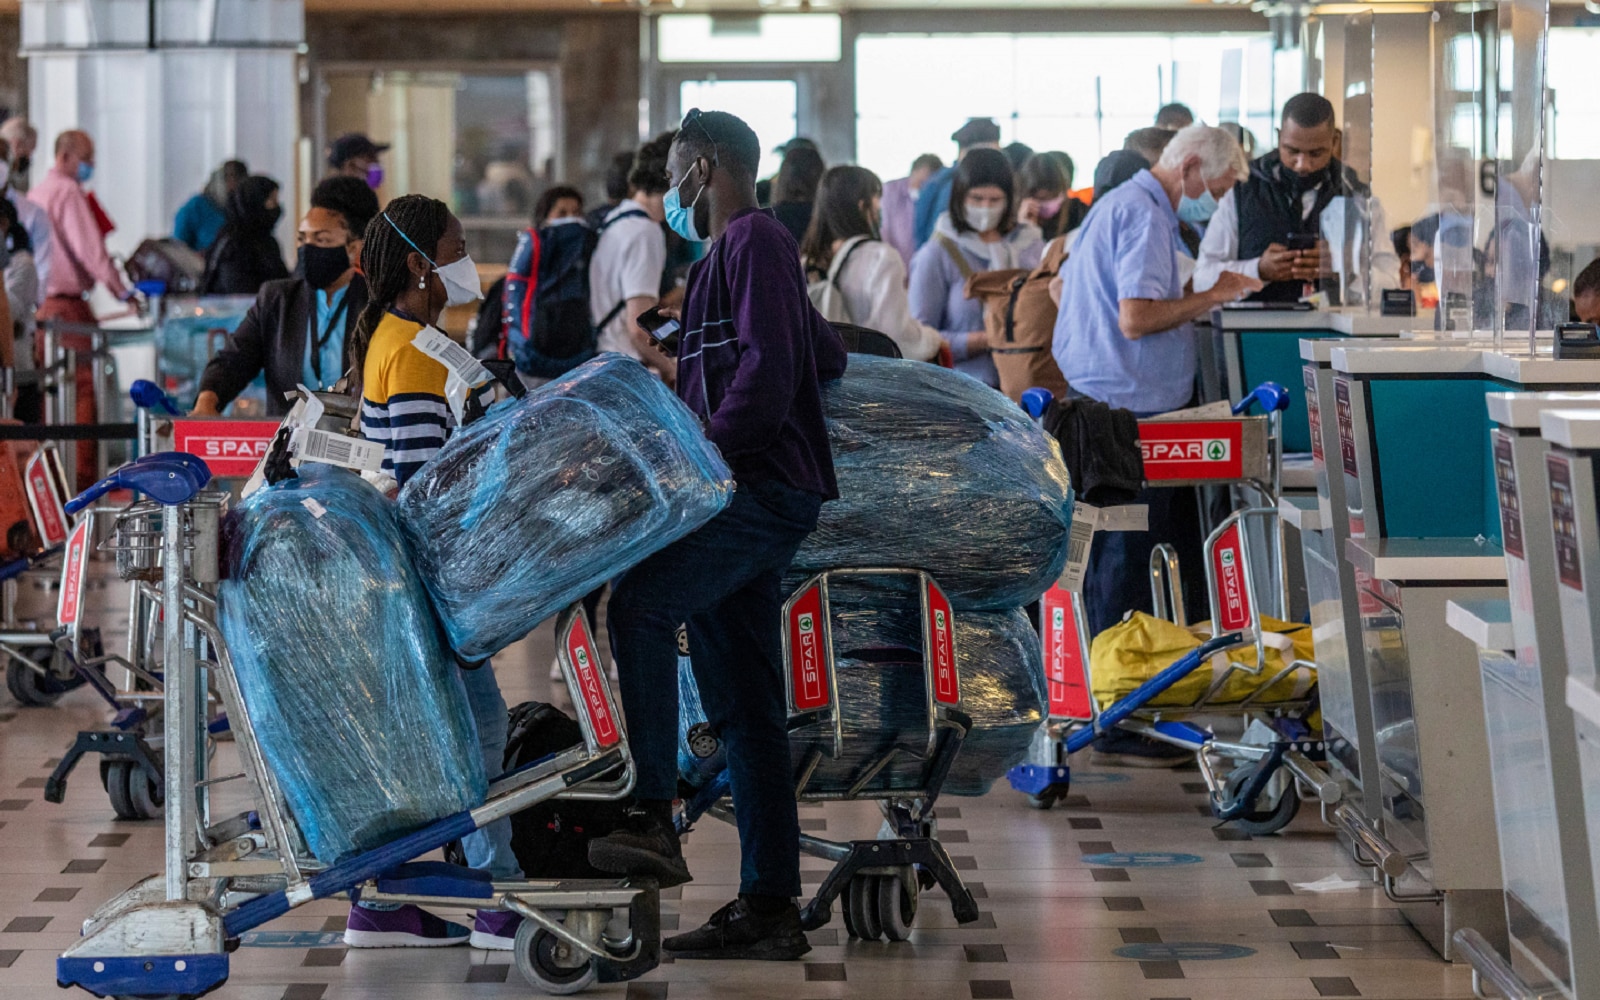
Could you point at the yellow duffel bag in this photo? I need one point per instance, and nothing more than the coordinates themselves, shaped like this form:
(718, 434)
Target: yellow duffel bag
(1138, 648)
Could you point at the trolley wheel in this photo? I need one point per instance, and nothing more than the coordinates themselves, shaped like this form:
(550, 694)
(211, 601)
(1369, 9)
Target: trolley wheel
(1048, 798)
(862, 906)
(36, 690)
(550, 964)
(133, 794)
(1260, 822)
(897, 904)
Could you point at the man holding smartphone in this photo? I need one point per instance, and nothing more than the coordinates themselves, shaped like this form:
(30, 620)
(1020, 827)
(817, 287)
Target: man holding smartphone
(1270, 226)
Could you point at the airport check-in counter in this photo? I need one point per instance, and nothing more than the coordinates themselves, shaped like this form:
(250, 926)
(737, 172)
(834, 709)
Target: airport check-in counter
(1423, 512)
(1259, 345)
(1331, 591)
(1571, 469)
(1554, 936)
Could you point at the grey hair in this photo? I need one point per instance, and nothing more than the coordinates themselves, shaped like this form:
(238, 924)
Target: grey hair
(1218, 150)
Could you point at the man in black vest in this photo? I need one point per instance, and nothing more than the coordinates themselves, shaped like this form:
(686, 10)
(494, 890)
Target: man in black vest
(1270, 225)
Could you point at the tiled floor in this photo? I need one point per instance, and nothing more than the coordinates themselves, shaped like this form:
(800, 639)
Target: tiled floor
(1203, 914)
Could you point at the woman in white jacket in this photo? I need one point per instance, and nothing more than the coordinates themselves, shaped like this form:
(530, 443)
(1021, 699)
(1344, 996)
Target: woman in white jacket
(859, 278)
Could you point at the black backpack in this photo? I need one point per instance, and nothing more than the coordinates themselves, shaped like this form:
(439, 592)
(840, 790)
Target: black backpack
(551, 839)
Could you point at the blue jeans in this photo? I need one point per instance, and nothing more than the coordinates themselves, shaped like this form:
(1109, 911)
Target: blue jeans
(490, 847)
(725, 582)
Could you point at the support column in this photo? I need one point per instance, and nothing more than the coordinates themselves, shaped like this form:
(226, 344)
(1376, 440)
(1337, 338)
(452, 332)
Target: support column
(168, 89)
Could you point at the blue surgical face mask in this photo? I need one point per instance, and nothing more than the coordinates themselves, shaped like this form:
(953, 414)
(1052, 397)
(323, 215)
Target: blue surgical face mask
(1198, 211)
(85, 171)
(680, 219)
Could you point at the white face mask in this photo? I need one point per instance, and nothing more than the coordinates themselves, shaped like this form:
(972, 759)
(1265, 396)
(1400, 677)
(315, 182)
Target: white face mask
(5, 174)
(460, 279)
(983, 218)
(461, 286)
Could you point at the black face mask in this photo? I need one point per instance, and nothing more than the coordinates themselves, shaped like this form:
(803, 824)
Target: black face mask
(22, 165)
(322, 266)
(1422, 273)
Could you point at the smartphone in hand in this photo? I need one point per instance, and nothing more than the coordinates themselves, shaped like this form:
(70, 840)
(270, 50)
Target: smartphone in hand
(665, 331)
(1302, 242)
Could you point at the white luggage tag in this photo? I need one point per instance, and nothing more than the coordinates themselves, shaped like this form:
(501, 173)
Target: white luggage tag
(308, 444)
(466, 372)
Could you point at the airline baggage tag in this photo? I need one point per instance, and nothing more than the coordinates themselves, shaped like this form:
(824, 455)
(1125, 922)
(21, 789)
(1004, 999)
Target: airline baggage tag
(1130, 517)
(1080, 539)
(466, 371)
(309, 444)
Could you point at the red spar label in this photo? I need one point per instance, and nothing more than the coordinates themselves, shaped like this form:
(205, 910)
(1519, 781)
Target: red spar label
(72, 566)
(229, 447)
(1063, 659)
(941, 625)
(595, 705)
(1227, 562)
(806, 666)
(46, 503)
(1191, 449)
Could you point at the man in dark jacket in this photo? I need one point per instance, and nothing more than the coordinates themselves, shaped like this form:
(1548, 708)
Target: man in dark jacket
(298, 330)
(753, 359)
(1282, 202)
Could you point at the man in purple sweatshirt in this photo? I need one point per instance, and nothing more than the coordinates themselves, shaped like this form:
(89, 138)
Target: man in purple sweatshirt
(753, 356)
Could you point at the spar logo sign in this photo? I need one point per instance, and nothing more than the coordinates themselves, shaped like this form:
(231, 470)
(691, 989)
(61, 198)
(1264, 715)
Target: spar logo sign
(1230, 580)
(229, 447)
(594, 698)
(1209, 450)
(807, 675)
(941, 644)
(1175, 450)
(1063, 668)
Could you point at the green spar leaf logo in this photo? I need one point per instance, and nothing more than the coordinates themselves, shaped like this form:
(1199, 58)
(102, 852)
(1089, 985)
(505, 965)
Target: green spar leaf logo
(1217, 450)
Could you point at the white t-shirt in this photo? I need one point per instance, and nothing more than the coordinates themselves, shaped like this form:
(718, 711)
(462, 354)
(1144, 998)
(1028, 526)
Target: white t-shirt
(627, 263)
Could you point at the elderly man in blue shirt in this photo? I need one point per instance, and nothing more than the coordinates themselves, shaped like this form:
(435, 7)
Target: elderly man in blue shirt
(1124, 337)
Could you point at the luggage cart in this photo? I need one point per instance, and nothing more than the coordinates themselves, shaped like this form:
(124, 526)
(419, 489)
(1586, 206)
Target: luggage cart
(879, 880)
(130, 747)
(1263, 793)
(37, 673)
(171, 934)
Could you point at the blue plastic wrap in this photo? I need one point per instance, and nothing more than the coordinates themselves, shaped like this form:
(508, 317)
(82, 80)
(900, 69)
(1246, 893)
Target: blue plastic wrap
(883, 695)
(549, 496)
(356, 701)
(190, 334)
(940, 472)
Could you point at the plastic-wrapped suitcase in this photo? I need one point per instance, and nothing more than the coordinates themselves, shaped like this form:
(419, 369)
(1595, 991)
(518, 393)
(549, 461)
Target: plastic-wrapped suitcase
(938, 471)
(357, 702)
(549, 496)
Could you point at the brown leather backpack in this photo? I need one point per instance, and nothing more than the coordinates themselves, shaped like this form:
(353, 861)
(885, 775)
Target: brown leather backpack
(1020, 318)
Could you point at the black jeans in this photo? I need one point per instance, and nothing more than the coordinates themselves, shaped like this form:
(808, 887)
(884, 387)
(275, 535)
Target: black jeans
(725, 582)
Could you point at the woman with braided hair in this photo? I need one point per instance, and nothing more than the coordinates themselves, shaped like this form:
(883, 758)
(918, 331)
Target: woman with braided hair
(416, 263)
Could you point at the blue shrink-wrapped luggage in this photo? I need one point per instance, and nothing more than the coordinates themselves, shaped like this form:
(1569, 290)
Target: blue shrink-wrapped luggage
(356, 700)
(549, 496)
(940, 472)
(882, 693)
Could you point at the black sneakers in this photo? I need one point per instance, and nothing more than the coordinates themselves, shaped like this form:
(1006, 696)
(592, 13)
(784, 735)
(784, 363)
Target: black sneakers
(737, 932)
(645, 847)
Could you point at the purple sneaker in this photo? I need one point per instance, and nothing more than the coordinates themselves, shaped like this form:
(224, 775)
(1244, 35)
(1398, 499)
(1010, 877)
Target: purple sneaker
(495, 930)
(408, 927)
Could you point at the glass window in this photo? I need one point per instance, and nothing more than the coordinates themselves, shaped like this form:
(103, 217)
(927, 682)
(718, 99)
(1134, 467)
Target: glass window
(1078, 93)
(747, 38)
(769, 107)
(485, 142)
